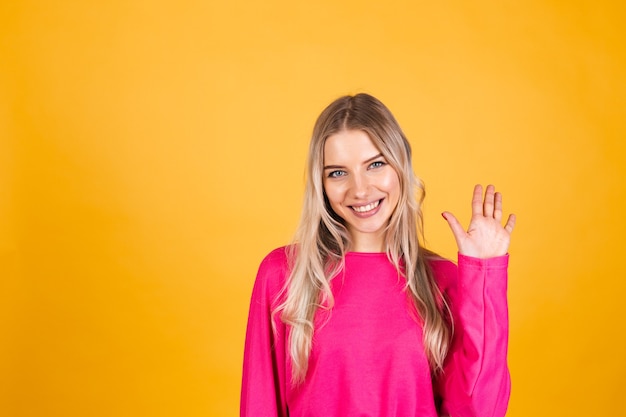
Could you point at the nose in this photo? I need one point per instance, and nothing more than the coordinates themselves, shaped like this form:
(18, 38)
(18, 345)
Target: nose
(360, 186)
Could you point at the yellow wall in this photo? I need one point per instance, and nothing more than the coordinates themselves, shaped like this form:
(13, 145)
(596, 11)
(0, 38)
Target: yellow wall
(152, 152)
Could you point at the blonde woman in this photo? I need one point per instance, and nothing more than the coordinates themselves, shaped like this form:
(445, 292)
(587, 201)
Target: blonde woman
(356, 317)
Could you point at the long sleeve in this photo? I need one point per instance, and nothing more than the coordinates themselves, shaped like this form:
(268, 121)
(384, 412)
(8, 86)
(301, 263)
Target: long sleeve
(263, 383)
(476, 380)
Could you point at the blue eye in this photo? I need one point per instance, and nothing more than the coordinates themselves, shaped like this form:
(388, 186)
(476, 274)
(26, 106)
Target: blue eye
(336, 174)
(377, 164)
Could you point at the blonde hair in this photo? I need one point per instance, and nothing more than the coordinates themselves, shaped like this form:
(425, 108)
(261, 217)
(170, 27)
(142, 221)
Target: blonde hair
(322, 239)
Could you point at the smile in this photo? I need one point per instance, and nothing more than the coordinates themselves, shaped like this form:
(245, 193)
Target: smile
(366, 208)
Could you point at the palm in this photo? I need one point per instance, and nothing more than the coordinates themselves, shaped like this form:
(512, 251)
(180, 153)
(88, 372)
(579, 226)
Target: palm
(485, 237)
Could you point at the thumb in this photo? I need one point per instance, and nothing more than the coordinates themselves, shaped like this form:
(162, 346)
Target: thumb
(455, 226)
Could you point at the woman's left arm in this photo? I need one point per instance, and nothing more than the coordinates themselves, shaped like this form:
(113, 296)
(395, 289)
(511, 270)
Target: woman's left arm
(476, 380)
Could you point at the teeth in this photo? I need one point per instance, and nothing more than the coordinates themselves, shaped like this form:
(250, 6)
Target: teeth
(363, 209)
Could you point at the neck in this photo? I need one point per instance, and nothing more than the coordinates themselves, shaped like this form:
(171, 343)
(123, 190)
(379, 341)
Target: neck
(368, 242)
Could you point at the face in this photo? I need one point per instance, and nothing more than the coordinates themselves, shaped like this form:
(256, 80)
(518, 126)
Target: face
(362, 188)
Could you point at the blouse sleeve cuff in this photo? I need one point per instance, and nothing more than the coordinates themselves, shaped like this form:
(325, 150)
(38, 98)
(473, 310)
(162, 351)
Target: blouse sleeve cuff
(498, 262)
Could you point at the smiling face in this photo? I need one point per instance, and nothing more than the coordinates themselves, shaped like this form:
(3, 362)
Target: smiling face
(362, 188)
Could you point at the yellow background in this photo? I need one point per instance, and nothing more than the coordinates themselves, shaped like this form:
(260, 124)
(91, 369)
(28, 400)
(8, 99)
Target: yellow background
(152, 153)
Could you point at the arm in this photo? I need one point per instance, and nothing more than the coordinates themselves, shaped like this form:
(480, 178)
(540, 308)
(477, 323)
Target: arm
(476, 381)
(263, 382)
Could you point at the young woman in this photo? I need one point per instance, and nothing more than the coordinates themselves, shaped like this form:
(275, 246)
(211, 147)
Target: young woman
(357, 318)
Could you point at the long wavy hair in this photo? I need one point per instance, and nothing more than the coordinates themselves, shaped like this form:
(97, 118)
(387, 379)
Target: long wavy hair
(322, 239)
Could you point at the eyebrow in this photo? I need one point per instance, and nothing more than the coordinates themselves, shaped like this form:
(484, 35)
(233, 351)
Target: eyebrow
(364, 162)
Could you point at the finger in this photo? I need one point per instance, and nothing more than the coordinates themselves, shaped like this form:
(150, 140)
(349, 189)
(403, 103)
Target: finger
(477, 200)
(510, 223)
(497, 211)
(489, 201)
(455, 226)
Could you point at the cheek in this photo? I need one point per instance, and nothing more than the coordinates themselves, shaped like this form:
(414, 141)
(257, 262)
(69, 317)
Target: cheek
(335, 194)
(332, 193)
(391, 184)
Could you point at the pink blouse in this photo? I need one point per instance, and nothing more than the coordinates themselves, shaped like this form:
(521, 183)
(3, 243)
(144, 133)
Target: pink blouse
(368, 357)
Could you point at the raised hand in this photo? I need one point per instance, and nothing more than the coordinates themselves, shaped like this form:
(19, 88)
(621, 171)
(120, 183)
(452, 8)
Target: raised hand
(485, 236)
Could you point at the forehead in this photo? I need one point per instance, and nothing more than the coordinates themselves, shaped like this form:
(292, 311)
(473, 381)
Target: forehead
(349, 146)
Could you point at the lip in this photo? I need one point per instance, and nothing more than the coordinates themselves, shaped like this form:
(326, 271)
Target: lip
(369, 213)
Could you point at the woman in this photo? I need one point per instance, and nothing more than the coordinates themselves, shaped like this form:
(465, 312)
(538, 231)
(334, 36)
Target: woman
(357, 318)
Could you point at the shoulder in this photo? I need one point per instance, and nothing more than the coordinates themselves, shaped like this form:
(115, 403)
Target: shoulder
(273, 269)
(447, 274)
(444, 271)
(276, 259)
